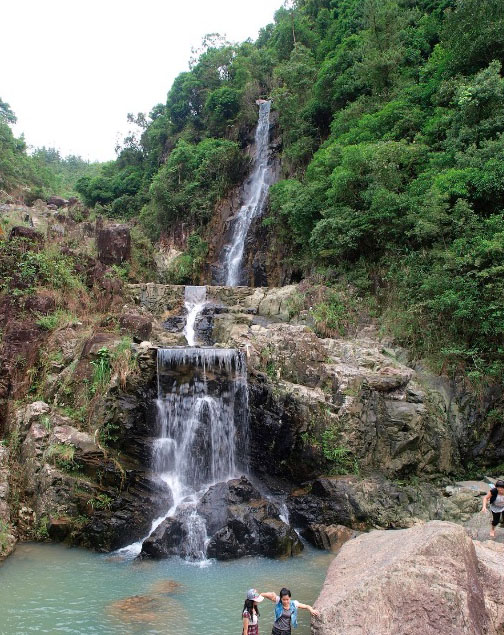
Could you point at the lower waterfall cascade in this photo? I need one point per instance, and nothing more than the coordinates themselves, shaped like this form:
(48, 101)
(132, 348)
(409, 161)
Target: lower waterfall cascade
(201, 418)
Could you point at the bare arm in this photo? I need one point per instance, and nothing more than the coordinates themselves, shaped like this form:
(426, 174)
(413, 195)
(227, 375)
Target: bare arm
(269, 595)
(245, 625)
(307, 607)
(485, 501)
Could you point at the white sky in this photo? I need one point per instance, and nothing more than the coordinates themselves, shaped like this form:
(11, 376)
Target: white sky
(71, 70)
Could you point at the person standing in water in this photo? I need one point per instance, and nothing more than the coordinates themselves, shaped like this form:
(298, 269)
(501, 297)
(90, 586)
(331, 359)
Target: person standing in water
(496, 499)
(250, 612)
(286, 611)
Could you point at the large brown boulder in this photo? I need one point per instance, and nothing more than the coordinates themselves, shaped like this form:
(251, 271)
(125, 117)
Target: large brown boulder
(419, 580)
(28, 233)
(136, 324)
(491, 569)
(114, 244)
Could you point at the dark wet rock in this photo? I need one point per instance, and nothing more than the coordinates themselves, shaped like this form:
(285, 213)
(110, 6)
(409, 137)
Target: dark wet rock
(166, 540)
(114, 244)
(243, 523)
(137, 325)
(174, 324)
(204, 326)
(59, 528)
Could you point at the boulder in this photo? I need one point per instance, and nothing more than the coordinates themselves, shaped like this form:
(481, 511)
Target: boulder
(29, 414)
(165, 540)
(136, 324)
(58, 201)
(328, 537)
(114, 244)
(242, 523)
(27, 233)
(419, 580)
(491, 572)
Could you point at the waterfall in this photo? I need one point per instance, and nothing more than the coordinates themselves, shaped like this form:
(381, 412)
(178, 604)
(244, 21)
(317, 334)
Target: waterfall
(256, 191)
(202, 433)
(195, 298)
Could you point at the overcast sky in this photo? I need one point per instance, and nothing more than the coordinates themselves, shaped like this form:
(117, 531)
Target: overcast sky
(72, 70)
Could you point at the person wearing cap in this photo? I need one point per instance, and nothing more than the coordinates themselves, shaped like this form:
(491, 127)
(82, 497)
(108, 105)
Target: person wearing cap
(250, 613)
(496, 499)
(286, 611)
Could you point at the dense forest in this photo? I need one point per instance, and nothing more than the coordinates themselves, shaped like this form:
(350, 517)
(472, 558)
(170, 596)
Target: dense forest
(391, 114)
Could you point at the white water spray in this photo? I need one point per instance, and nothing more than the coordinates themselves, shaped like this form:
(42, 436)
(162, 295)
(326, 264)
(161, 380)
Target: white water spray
(194, 302)
(256, 191)
(202, 428)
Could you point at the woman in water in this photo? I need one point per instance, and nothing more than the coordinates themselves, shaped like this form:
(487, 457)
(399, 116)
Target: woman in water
(251, 612)
(496, 498)
(286, 611)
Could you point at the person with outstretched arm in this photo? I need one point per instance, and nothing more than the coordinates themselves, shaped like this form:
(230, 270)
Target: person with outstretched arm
(286, 611)
(496, 499)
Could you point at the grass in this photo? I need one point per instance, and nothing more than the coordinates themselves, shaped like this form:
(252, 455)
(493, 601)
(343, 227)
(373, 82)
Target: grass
(62, 455)
(58, 319)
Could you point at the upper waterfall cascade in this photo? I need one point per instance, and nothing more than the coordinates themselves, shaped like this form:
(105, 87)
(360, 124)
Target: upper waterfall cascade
(255, 195)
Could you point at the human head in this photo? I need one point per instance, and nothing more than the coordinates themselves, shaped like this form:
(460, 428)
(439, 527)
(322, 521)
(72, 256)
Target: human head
(253, 594)
(285, 595)
(499, 484)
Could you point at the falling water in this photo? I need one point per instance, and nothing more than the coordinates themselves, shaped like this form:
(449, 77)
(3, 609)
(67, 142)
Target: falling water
(255, 196)
(195, 298)
(202, 433)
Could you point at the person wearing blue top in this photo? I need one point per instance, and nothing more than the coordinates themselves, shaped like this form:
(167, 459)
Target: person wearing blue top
(286, 611)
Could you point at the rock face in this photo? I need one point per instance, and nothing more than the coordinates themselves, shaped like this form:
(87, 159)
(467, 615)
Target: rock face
(7, 539)
(242, 523)
(114, 244)
(421, 580)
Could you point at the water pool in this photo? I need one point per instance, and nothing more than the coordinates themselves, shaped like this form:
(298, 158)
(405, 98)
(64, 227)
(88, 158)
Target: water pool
(55, 589)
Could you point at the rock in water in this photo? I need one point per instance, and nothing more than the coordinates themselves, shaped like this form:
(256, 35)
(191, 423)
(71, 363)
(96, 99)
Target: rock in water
(242, 523)
(411, 581)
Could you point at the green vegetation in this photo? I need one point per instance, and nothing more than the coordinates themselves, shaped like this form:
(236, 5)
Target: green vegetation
(4, 535)
(62, 455)
(42, 528)
(101, 371)
(58, 319)
(23, 268)
(101, 502)
(34, 176)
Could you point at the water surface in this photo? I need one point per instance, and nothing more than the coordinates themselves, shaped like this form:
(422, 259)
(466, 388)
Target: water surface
(56, 589)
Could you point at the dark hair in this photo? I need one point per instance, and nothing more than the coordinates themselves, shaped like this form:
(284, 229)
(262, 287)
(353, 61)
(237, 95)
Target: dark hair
(251, 606)
(499, 483)
(285, 591)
